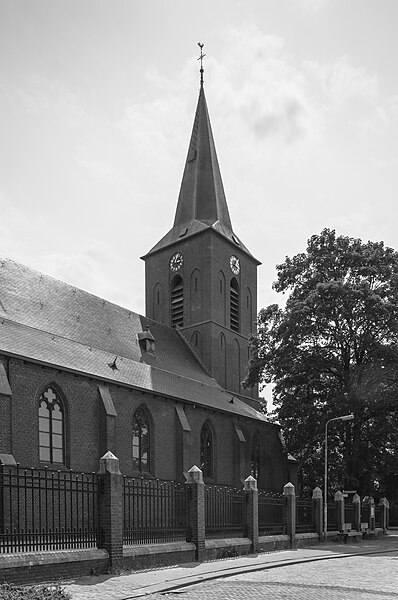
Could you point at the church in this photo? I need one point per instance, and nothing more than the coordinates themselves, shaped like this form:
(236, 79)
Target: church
(80, 376)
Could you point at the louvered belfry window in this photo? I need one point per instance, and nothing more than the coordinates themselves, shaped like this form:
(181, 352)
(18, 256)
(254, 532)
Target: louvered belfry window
(234, 305)
(177, 302)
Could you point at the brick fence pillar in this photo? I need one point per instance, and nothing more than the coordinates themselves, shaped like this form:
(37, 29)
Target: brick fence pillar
(251, 503)
(290, 512)
(111, 507)
(385, 507)
(369, 511)
(317, 511)
(340, 513)
(196, 510)
(357, 512)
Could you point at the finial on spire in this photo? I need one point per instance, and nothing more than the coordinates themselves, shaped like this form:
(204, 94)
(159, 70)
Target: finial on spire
(201, 57)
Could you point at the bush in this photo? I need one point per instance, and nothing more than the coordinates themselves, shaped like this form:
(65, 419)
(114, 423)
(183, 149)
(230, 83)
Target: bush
(8, 591)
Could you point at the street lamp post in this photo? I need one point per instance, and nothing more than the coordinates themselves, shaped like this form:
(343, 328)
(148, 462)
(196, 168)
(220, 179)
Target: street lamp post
(325, 496)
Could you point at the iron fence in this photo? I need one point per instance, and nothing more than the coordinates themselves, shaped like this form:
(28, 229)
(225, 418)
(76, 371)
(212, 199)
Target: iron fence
(304, 517)
(42, 509)
(349, 514)
(332, 516)
(153, 511)
(378, 516)
(270, 513)
(224, 514)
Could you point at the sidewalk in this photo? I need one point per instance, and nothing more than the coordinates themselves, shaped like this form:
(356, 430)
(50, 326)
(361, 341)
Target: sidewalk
(142, 583)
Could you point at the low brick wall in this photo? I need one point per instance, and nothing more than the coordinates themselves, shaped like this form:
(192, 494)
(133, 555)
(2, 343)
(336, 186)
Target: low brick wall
(225, 548)
(156, 555)
(303, 540)
(52, 566)
(267, 543)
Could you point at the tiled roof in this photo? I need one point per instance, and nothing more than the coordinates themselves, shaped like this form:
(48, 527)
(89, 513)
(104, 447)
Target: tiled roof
(51, 322)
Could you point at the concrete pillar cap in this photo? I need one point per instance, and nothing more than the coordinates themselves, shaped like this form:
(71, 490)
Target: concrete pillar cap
(250, 483)
(368, 500)
(109, 463)
(288, 490)
(384, 502)
(316, 493)
(338, 496)
(194, 475)
(356, 499)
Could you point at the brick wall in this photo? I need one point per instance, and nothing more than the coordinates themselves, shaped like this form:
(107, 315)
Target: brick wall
(207, 311)
(83, 447)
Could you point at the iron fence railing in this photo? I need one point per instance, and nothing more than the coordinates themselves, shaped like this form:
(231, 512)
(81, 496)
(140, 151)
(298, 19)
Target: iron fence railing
(270, 513)
(349, 514)
(304, 517)
(378, 516)
(153, 511)
(332, 516)
(224, 511)
(42, 509)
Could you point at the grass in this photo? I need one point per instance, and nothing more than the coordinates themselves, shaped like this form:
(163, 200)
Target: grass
(8, 591)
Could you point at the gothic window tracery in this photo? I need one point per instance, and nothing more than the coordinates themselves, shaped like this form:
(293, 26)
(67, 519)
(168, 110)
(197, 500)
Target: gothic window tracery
(51, 427)
(141, 441)
(207, 452)
(256, 458)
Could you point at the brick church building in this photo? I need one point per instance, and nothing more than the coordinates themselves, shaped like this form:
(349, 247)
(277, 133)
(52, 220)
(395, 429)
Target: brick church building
(80, 376)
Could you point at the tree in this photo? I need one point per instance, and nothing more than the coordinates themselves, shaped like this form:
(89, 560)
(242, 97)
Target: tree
(331, 351)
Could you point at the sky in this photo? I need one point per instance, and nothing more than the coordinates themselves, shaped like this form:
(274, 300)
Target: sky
(97, 100)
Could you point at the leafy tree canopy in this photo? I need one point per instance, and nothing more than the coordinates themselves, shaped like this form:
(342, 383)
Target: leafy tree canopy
(331, 351)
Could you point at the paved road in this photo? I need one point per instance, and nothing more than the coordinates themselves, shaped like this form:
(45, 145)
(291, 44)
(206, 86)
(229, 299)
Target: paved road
(367, 570)
(371, 577)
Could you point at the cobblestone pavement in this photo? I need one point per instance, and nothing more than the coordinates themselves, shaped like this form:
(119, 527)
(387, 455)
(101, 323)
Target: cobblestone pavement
(371, 577)
(325, 571)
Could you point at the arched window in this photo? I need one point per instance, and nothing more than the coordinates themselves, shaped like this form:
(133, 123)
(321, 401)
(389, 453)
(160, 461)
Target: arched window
(223, 360)
(255, 458)
(234, 304)
(206, 451)
(177, 302)
(195, 340)
(157, 303)
(196, 297)
(221, 302)
(141, 441)
(51, 428)
(248, 323)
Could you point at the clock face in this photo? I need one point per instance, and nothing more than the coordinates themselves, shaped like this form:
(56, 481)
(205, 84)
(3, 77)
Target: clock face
(176, 262)
(234, 264)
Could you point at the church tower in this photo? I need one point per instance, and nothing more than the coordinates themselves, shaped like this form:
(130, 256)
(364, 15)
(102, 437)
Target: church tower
(200, 277)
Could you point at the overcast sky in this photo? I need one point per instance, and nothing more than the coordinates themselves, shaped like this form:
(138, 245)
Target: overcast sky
(97, 99)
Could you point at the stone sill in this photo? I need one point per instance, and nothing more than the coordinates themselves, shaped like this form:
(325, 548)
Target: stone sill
(149, 549)
(226, 543)
(50, 557)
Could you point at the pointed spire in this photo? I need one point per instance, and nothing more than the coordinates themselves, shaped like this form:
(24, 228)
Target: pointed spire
(201, 203)
(202, 196)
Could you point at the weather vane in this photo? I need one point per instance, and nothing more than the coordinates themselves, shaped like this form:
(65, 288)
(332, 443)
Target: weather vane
(201, 57)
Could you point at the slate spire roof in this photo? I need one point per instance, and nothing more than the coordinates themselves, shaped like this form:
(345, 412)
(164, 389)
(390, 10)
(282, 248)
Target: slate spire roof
(201, 203)
(202, 195)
